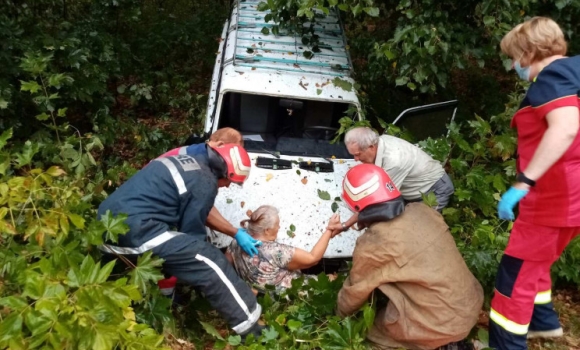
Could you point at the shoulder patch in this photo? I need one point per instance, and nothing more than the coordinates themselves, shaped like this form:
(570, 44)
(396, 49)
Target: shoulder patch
(187, 163)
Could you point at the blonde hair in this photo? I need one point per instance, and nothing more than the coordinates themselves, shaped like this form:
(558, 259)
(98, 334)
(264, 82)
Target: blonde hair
(534, 40)
(227, 135)
(261, 219)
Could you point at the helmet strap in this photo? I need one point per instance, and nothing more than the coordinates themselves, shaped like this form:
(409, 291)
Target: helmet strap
(384, 211)
(217, 164)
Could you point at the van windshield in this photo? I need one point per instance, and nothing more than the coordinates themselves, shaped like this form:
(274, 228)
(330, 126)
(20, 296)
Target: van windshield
(289, 126)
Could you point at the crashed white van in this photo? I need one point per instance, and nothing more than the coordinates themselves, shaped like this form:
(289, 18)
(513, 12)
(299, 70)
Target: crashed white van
(287, 104)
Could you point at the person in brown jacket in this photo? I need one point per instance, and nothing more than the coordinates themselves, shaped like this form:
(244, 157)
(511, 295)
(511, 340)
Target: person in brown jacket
(408, 253)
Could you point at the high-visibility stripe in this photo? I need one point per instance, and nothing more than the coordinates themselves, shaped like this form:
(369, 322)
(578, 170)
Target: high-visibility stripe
(182, 150)
(252, 316)
(177, 178)
(508, 325)
(239, 167)
(362, 191)
(150, 244)
(543, 297)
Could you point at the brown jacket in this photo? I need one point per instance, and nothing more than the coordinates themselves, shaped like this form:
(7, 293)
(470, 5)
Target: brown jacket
(433, 297)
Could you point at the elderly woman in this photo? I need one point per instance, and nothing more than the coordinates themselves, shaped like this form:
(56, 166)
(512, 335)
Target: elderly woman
(276, 263)
(547, 185)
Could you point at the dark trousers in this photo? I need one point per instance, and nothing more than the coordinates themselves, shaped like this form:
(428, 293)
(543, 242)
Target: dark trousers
(203, 266)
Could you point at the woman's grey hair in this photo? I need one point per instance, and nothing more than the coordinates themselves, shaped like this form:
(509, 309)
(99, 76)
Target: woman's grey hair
(362, 136)
(261, 219)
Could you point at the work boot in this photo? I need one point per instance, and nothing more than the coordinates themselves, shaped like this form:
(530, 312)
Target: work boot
(551, 333)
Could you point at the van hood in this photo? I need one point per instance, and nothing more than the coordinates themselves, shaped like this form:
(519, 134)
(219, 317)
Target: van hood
(306, 200)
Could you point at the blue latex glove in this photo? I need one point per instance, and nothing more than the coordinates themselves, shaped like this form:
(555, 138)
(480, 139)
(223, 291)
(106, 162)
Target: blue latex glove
(505, 208)
(247, 242)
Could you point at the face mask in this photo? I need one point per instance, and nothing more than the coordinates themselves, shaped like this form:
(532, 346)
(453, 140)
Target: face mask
(523, 73)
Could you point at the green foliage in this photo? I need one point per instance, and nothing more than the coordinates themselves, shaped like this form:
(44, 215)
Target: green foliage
(54, 294)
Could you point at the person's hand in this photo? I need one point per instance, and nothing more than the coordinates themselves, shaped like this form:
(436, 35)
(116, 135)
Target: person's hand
(247, 242)
(505, 207)
(334, 225)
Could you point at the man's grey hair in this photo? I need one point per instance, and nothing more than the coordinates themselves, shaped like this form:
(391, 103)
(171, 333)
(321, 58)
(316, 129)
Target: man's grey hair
(362, 136)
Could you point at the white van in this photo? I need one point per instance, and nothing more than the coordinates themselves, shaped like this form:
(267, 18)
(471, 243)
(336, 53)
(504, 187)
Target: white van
(287, 104)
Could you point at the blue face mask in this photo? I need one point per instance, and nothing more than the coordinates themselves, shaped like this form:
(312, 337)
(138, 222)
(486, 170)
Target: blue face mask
(523, 73)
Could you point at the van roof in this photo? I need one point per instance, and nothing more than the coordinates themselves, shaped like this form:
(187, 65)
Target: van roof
(278, 63)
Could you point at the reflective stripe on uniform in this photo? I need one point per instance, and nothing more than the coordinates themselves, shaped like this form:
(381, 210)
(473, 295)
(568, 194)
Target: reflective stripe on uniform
(508, 325)
(177, 178)
(182, 150)
(252, 316)
(543, 297)
(150, 244)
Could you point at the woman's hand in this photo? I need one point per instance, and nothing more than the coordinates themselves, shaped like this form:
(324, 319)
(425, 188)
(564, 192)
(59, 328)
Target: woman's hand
(334, 225)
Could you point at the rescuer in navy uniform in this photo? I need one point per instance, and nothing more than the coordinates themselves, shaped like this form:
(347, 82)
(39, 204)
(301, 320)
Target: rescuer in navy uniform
(167, 204)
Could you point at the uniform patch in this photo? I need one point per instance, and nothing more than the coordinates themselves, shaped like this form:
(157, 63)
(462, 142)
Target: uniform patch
(188, 163)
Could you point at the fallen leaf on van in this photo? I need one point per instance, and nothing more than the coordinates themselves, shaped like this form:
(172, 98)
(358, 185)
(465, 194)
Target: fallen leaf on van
(296, 65)
(269, 177)
(304, 180)
(340, 161)
(290, 53)
(253, 68)
(229, 200)
(324, 195)
(243, 203)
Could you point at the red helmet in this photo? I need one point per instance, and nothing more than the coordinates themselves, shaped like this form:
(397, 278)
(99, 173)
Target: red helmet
(237, 161)
(367, 184)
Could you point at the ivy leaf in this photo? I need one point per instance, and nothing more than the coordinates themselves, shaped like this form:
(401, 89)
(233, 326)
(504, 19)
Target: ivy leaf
(270, 334)
(146, 271)
(264, 31)
(334, 207)
(323, 195)
(6, 135)
(210, 329)
(28, 152)
(114, 226)
(343, 84)
(30, 86)
(372, 11)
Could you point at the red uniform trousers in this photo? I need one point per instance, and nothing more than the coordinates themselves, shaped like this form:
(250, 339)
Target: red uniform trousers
(522, 298)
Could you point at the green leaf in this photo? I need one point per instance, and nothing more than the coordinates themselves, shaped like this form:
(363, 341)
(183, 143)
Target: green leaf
(318, 91)
(334, 207)
(483, 336)
(264, 31)
(323, 195)
(42, 117)
(37, 323)
(76, 220)
(210, 329)
(401, 81)
(308, 54)
(270, 334)
(234, 340)
(6, 135)
(298, 171)
(3, 103)
(11, 327)
(292, 227)
(343, 84)
(369, 316)
(262, 6)
(28, 152)
(121, 88)
(290, 234)
(229, 200)
(372, 11)
(250, 51)
(147, 271)
(356, 10)
(105, 272)
(30, 86)
(61, 112)
(294, 325)
(114, 226)
(14, 302)
(55, 171)
(488, 20)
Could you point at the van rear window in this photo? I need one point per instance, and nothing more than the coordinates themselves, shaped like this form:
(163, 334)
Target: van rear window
(285, 125)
